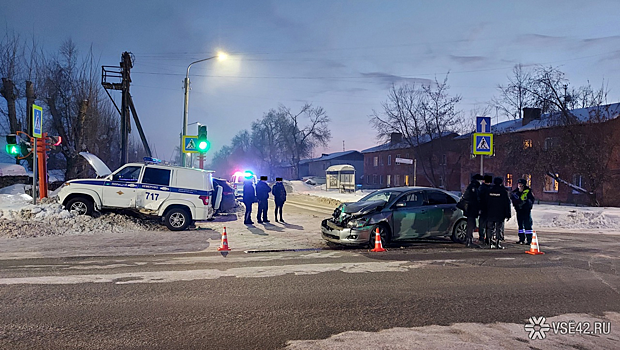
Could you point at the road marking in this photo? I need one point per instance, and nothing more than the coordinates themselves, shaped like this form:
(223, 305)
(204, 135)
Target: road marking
(207, 274)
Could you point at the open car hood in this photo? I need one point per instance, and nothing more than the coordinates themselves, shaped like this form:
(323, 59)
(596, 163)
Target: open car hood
(362, 207)
(101, 169)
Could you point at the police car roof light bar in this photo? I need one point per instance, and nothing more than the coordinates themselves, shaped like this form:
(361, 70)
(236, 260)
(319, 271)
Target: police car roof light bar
(151, 160)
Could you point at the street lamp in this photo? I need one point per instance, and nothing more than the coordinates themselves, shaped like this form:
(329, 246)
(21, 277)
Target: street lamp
(220, 56)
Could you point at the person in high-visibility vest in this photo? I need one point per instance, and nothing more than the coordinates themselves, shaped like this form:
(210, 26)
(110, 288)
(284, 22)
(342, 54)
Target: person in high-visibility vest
(523, 201)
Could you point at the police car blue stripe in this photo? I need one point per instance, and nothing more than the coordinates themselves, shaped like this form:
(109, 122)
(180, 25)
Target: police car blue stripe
(144, 186)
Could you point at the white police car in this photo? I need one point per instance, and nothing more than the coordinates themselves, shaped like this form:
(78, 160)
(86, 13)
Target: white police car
(177, 195)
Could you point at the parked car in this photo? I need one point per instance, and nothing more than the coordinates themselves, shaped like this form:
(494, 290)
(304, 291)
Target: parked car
(237, 181)
(400, 214)
(178, 196)
(228, 201)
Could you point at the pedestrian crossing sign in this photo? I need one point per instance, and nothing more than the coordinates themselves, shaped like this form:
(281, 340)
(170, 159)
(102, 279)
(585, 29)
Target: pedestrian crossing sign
(483, 144)
(190, 144)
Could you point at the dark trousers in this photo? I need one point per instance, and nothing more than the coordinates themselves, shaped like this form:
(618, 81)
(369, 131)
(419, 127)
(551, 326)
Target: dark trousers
(471, 225)
(495, 230)
(482, 229)
(262, 210)
(279, 209)
(248, 212)
(524, 220)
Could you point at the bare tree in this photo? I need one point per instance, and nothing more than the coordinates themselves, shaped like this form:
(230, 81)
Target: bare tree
(11, 59)
(422, 115)
(268, 139)
(301, 138)
(516, 94)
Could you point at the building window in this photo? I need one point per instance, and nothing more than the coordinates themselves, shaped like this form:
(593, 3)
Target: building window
(389, 159)
(441, 184)
(374, 178)
(508, 181)
(376, 161)
(528, 179)
(577, 181)
(397, 156)
(527, 144)
(444, 159)
(381, 160)
(396, 180)
(388, 180)
(380, 179)
(406, 180)
(550, 184)
(550, 142)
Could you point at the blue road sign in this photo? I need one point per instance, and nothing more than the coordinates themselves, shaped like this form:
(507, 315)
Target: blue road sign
(37, 121)
(483, 124)
(483, 144)
(190, 144)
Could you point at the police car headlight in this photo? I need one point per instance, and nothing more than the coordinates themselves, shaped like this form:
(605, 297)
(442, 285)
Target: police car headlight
(356, 223)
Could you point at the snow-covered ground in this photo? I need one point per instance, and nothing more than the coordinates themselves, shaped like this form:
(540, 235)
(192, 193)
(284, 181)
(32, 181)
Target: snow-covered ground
(545, 217)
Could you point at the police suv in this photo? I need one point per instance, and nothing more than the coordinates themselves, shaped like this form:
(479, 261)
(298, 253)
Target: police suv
(177, 195)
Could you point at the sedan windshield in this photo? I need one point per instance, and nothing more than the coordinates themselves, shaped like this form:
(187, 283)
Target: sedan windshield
(385, 196)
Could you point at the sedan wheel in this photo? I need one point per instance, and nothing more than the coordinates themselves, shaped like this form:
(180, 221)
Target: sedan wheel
(460, 232)
(383, 232)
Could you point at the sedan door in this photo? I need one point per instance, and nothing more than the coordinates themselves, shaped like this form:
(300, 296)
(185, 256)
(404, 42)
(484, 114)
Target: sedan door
(409, 217)
(440, 208)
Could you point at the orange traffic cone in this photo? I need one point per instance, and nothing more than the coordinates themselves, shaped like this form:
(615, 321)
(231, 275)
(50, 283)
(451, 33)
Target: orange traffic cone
(378, 244)
(534, 249)
(224, 245)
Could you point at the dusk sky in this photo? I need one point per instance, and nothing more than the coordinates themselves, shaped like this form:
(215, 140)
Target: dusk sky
(340, 55)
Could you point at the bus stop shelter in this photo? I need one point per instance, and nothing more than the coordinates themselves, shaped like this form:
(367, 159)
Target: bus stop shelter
(341, 177)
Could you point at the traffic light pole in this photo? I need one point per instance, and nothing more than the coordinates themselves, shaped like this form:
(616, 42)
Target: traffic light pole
(201, 161)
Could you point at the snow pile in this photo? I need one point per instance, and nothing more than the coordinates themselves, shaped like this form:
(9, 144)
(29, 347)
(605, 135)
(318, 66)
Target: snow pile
(299, 187)
(12, 170)
(18, 218)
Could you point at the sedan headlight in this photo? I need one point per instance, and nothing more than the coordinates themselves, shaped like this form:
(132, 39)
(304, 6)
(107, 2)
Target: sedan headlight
(355, 223)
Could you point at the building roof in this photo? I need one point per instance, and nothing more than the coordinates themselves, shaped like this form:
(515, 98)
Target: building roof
(403, 144)
(548, 120)
(327, 157)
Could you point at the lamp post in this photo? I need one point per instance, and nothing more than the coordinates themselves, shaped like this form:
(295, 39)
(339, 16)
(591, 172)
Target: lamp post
(221, 56)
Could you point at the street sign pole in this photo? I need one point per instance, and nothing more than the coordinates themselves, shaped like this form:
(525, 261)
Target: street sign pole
(35, 193)
(37, 132)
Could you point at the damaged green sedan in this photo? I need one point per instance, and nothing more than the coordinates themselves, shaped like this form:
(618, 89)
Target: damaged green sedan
(400, 214)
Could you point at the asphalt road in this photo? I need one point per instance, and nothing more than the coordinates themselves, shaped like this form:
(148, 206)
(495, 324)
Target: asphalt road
(263, 300)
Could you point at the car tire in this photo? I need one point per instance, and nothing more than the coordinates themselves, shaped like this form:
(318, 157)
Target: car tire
(80, 205)
(459, 232)
(384, 232)
(177, 219)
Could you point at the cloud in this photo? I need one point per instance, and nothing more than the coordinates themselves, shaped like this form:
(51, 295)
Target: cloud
(468, 59)
(389, 79)
(539, 40)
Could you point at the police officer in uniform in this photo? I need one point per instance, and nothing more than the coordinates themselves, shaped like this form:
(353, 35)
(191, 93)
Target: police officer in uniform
(497, 205)
(262, 194)
(483, 237)
(471, 197)
(249, 197)
(523, 201)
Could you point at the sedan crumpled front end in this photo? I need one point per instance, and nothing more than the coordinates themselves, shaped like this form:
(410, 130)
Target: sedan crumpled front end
(348, 228)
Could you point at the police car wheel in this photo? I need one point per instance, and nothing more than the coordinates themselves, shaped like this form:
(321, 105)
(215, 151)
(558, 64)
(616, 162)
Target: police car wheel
(460, 232)
(177, 219)
(80, 206)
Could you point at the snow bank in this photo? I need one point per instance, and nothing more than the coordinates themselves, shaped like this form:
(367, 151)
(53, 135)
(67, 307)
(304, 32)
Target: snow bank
(20, 218)
(12, 170)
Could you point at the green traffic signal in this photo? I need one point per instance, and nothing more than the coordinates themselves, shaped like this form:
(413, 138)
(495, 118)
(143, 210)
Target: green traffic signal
(203, 143)
(13, 150)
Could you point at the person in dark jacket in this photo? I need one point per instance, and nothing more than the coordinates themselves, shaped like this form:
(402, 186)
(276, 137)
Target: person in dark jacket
(279, 196)
(496, 203)
(262, 194)
(249, 197)
(523, 201)
(483, 237)
(471, 197)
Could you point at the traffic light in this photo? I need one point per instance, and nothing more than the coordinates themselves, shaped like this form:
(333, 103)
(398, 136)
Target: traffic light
(203, 143)
(12, 148)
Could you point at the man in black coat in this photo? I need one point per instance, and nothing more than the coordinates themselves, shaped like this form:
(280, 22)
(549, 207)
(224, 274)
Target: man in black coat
(496, 203)
(249, 197)
(483, 237)
(262, 194)
(471, 197)
(279, 196)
